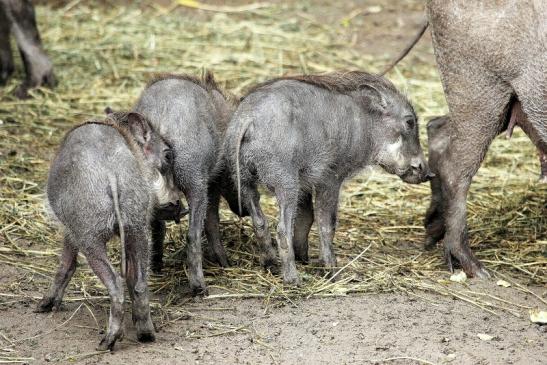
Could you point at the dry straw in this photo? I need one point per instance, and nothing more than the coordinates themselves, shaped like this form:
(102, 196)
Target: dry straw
(103, 57)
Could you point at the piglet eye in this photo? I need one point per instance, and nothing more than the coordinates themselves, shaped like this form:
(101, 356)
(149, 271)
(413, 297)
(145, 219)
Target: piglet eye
(168, 154)
(410, 122)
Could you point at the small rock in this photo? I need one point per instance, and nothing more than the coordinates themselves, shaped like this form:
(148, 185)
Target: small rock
(484, 336)
(538, 316)
(503, 283)
(459, 277)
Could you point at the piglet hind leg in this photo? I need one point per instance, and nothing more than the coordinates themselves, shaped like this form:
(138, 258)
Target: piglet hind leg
(326, 206)
(215, 251)
(197, 202)
(287, 198)
(268, 255)
(304, 221)
(137, 274)
(52, 299)
(98, 261)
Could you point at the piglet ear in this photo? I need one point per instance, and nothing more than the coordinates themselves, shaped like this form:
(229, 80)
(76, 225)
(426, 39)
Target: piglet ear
(374, 98)
(139, 127)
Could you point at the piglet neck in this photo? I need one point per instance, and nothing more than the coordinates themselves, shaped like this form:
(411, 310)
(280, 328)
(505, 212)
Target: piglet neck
(365, 153)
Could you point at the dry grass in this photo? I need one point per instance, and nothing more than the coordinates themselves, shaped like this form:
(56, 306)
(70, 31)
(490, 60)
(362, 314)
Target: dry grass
(104, 58)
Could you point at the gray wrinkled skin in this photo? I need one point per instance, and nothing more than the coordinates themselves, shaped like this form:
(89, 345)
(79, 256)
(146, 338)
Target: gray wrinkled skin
(17, 17)
(308, 134)
(438, 135)
(438, 139)
(192, 115)
(94, 162)
(488, 53)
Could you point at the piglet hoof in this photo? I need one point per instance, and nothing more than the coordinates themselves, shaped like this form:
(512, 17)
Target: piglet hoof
(430, 243)
(200, 291)
(291, 278)
(156, 267)
(216, 258)
(301, 256)
(270, 264)
(49, 79)
(222, 260)
(268, 259)
(219, 256)
(146, 337)
(198, 288)
(108, 341)
(22, 91)
(332, 277)
(45, 305)
(145, 331)
(332, 274)
(292, 281)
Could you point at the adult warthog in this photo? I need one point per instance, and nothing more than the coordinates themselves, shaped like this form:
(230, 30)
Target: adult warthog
(491, 57)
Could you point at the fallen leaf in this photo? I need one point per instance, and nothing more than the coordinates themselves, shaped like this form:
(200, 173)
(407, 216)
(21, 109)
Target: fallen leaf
(538, 316)
(484, 336)
(374, 9)
(503, 283)
(459, 277)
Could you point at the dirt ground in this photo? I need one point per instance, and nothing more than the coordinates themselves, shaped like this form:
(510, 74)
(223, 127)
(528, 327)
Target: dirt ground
(376, 329)
(398, 327)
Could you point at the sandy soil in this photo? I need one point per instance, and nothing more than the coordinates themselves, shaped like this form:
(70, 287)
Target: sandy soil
(344, 330)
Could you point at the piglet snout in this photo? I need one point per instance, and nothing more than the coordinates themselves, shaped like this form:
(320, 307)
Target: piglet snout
(417, 166)
(419, 171)
(171, 211)
(420, 168)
